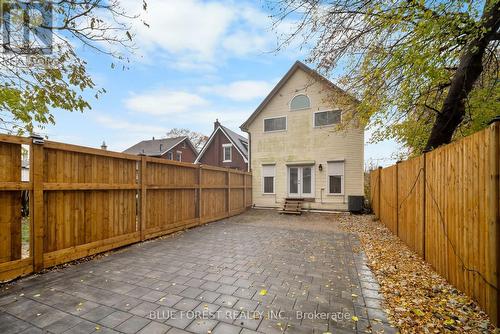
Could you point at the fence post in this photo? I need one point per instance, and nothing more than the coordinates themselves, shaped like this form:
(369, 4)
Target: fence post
(228, 192)
(37, 203)
(244, 191)
(200, 173)
(397, 197)
(379, 192)
(142, 180)
(424, 201)
(495, 206)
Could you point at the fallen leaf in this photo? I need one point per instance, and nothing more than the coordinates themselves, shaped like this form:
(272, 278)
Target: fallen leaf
(418, 312)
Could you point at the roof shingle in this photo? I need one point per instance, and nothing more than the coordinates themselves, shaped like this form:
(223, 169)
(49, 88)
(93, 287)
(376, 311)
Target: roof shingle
(155, 147)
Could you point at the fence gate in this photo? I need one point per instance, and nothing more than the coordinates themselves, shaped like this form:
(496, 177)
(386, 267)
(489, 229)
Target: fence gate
(13, 260)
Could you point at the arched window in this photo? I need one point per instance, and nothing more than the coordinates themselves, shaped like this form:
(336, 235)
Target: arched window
(300, 102)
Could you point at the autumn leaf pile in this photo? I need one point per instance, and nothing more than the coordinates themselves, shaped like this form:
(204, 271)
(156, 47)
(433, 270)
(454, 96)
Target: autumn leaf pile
(418, 300)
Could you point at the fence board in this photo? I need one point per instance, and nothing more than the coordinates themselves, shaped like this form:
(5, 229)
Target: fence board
(410, 197)
(375, 191)
(77, 214)
(388, 196)
(165, 208)
(448, 211)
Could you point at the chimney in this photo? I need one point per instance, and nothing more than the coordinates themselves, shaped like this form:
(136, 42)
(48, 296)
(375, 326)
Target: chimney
(161, 148)
(153, 138)
(104, 146)
(216, 124)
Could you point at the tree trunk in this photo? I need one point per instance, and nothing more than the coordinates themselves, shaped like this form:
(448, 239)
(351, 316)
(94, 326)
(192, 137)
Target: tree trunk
(469, 69)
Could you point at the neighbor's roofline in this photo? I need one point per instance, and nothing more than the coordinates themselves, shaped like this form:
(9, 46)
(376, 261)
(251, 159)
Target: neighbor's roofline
(180, 141)
(212, 136)
(298, 64)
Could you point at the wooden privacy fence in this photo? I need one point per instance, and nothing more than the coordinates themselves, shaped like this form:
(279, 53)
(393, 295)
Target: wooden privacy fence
(445, 206)
(84, 201)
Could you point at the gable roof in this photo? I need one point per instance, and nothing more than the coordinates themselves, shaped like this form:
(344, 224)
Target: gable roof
(296, 66)
(239, 142)
(157, 147)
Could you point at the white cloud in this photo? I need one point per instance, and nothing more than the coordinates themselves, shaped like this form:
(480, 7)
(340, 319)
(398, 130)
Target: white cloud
(194, 34)
(181, 25)
(243, 42)
(119, 124)
(244, 90)
(203, 119)
(164, 102)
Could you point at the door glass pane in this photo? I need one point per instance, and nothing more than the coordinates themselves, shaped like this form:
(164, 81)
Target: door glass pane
(294, 181)
(306, 180)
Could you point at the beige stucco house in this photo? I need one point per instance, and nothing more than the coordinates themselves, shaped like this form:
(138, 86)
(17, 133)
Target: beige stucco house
(297, 149)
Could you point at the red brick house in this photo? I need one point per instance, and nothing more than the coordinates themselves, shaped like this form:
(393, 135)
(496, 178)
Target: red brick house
(178, 148)
(225, 148)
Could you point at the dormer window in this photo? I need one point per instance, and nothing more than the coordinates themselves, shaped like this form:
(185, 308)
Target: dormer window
(299, 102)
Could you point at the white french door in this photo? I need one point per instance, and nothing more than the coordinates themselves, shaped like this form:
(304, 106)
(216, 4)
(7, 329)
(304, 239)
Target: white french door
(301, 181)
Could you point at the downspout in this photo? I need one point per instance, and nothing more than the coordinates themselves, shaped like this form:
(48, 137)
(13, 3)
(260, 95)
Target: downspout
(249, 151)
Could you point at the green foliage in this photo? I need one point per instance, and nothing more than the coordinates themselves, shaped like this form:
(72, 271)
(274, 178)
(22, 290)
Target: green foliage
(401, 56)
(30, 102)
(33, 86)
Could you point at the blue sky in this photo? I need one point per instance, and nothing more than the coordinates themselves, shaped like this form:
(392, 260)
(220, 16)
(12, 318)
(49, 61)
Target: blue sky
(198, 61)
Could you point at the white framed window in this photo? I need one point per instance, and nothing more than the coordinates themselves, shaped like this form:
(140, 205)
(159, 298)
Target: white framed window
(268, 178)
(274, 124)
(227, 152)
(328, 117)
(178, 156)
(299, 102)
(170, 156)
(335, 177)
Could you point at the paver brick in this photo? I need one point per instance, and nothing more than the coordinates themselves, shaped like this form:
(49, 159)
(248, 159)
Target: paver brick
(224, 279)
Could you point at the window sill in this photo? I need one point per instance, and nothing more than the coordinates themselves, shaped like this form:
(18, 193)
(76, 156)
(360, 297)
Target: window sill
(341, 194)
(268, 194)
(227, 160)
(274, 131)
(325, 126)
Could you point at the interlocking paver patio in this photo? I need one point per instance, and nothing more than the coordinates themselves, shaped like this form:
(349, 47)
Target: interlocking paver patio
(286, 270)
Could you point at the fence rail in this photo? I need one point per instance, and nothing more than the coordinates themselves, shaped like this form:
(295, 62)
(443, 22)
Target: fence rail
(84, 201)
(445, 206)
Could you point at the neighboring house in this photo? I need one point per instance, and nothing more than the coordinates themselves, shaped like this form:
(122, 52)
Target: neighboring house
(179, 149)
(225, 148)
(25, 170)
(296, 149)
